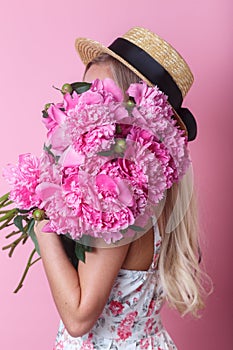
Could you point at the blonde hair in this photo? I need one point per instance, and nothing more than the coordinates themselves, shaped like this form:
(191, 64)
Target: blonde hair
(179, 260)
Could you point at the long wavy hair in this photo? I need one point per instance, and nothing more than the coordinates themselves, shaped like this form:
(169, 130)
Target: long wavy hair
(179, 261)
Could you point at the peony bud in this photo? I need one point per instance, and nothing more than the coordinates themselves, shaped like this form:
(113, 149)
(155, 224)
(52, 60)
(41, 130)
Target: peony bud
(46, 107)
(120, 146)
(39, 214)
(130, 103)
(66, 88)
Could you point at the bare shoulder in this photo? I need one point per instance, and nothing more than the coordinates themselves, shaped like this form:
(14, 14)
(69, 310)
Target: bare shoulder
(140, 252)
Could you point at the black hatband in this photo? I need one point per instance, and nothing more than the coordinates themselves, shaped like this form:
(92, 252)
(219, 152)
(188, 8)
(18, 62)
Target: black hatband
(149, 68)
(157, 75)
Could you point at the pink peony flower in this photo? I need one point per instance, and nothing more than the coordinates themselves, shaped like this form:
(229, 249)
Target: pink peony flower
(97, 139)
(108, 89)
(101, 92)
(91, 129)
(155, 114)
(23, 179)
(56, 125)
(55, 118)
(147, 96)
(71, 158)
(115, 188)
(130, 177)
(144, 137)
(70, 101)
(104, 167)
(116, 220)
(49, 169)
(73, 205)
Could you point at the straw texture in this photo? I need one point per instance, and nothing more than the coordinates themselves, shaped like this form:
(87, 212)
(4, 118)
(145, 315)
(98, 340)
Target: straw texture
(156, 47)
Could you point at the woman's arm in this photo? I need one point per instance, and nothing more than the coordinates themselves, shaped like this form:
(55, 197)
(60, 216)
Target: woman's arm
(80, 296)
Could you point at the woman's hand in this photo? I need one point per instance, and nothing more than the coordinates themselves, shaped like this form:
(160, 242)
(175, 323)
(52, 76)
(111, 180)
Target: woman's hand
(38, 228)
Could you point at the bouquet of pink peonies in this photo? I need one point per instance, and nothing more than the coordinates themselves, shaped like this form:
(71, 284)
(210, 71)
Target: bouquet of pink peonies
(105, 165)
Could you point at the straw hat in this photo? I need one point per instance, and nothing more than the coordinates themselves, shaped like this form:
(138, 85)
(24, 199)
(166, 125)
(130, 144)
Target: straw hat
(153, 60)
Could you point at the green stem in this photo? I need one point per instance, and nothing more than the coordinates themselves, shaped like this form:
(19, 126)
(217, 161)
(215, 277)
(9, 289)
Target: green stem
(5, 204)
(6, 224)
(4, 197)
(25, 239)
(14, 244)
(29, 264)
(10, 214)
(12, 234)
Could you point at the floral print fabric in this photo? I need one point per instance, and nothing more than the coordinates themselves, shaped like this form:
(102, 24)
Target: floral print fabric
(131, 317)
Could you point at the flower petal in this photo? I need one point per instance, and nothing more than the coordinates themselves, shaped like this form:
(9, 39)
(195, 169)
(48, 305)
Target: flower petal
(71, 158)
(125, 195)
(46, 190)
(106, 183)
(110, 86)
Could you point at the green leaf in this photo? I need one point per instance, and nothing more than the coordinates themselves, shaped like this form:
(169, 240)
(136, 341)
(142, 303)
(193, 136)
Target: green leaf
(24, 211)
(31, 224)
(48, 150)
(87, 248)
(57, 159)
(136, 228)
(69, 246)
(18, 222)
(124, 230)
(80, 252)
(44, 114)
(74, 250)
(80, 87)
(32, 235)
(105, 153)
(118, 129)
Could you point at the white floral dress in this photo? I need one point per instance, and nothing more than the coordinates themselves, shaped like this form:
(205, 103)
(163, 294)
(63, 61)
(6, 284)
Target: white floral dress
(131, 317)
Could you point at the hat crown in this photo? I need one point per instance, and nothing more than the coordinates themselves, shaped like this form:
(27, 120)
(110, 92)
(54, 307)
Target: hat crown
(164, 54)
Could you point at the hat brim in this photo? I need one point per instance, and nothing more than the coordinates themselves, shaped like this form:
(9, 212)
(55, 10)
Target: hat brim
(89, 49)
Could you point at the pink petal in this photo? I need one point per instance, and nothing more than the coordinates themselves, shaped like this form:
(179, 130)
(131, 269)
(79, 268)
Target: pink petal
(90, 98)
(137, 91)
(71, 158)
(46, 190)
(70, 101)
(106, 183)
(58, 138)
(110, 86)
(125, 195)
(47, 228)
(56, 114)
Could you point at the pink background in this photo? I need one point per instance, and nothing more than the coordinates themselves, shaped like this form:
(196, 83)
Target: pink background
(37, 51)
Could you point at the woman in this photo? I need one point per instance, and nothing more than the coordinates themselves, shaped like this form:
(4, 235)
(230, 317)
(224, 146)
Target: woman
(117, 306)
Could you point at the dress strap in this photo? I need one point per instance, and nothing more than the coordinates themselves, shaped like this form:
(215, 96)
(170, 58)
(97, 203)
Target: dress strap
(157, 244)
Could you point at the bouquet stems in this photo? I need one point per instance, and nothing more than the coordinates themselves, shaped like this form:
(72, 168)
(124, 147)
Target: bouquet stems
(29, 264)
(24, 225)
